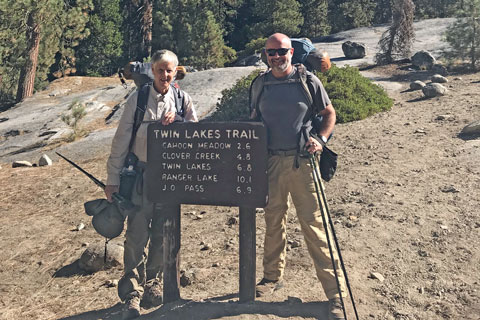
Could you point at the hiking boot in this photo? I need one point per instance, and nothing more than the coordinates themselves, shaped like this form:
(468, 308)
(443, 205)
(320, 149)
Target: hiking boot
(335, 310)
(266, 286)
(152, 297)
(131, 308)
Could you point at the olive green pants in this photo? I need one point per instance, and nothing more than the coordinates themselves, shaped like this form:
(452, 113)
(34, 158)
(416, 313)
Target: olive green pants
(284, 179)
(145, 227)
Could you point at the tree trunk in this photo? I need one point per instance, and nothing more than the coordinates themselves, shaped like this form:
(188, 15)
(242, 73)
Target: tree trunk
(474, 46)
(147, 23)
(27, 73)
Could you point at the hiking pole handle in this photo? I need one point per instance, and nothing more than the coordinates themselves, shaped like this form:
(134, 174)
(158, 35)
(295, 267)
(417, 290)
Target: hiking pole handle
(122, 78)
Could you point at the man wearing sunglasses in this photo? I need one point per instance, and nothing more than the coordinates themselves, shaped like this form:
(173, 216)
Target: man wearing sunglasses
(283, 106)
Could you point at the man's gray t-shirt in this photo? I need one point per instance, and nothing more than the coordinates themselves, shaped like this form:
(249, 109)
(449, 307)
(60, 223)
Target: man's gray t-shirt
(283, 107)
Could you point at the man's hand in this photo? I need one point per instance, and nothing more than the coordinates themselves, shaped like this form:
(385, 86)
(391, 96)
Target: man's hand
(109, 190)
(313, 145)
(168, 118)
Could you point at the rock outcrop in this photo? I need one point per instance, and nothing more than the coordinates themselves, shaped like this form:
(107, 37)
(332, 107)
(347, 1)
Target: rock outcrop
(93, 258)
(423, 60)
(439, 79)
(354, 50)
(417, 85)
(434, 90)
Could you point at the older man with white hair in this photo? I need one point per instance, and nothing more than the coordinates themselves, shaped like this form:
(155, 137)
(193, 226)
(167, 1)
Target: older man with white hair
(142, 272)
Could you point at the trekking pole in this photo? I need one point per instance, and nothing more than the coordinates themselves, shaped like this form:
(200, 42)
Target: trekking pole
(318, 179)
(324, 220)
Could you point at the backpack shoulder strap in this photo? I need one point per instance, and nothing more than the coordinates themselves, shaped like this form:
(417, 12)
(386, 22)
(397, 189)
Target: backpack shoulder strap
(142, 100)
(307, 84)
(179, 96)
(255, 91)
(305, 80)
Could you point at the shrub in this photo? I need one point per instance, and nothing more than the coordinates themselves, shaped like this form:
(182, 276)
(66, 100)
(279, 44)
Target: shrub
(77, 113)
(353, 96)
(234, 103)
(464, 35)
(252, 47)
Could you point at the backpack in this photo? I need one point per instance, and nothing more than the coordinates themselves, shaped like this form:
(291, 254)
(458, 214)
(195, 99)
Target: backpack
(305, 53)
(302, 48)
(141, 73)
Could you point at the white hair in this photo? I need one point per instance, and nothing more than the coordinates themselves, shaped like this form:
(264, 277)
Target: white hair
(165, 56)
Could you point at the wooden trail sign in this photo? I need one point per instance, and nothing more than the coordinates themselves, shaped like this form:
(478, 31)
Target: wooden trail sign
(212, 164)
(208, 163)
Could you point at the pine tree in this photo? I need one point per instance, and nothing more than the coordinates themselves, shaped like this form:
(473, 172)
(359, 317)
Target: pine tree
(132, 38)
(71, 30)
(397, 41)
(276, 16)
(315, 15)
(27, 72)
(147, 24)
(10, 34)
(163, 35)
(100, 53)
(464, 35)
(189, 28)
(383, 12)
(209, 46)
(224, 12)
(425, 9)
(243, 21)
(228, 11)
(33, 33)
(348, 14)
(24, 28)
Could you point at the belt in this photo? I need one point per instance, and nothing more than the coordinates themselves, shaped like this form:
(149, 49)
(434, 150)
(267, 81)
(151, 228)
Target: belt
(282, 152)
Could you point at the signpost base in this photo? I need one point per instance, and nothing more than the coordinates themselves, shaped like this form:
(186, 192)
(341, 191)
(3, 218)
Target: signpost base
(171, 253)
(247, 254)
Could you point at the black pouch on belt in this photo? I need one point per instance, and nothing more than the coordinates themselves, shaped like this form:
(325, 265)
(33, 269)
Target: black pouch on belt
(128, 176)
(328, 163)
(328, 159)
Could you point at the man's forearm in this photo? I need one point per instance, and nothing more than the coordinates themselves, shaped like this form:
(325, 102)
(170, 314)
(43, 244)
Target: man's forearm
(329, 119)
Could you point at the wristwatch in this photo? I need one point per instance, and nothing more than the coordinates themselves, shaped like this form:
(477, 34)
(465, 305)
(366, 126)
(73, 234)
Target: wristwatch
(324, 139)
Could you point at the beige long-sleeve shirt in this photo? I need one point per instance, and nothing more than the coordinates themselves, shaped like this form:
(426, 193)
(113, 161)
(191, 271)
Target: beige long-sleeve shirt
(157, 106)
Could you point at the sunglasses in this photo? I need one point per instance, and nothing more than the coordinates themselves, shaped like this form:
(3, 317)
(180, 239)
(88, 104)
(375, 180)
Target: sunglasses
(281, 51)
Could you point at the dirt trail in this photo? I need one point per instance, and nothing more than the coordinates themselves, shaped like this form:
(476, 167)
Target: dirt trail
(404, 200)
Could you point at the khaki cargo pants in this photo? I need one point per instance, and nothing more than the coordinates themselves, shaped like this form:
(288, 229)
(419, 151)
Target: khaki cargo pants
(141, 265)
(284, 179)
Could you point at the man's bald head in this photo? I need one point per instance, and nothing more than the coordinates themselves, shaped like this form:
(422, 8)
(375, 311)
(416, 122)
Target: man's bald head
(278, 49)
(278, 40)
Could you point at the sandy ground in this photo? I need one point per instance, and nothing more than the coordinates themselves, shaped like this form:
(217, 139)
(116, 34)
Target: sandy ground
(404, 201)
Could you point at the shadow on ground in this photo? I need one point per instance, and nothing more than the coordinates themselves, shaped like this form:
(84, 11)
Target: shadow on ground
(73, 269)
(213, 309)
(113, 313)
(468, 136)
